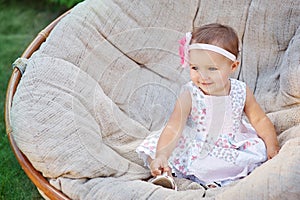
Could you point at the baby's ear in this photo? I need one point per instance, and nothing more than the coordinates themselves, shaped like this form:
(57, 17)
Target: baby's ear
(235, 65)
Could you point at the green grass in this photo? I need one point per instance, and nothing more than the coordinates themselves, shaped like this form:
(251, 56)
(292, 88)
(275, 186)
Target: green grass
(20, 22)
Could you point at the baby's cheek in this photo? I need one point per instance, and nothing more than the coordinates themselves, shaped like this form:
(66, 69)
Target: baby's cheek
(194, 75)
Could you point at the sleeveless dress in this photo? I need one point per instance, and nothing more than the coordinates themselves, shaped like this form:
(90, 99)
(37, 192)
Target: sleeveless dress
(217, 144)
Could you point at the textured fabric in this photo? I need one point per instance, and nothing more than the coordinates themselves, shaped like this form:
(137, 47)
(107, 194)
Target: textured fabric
(216, 144)
(109, 73)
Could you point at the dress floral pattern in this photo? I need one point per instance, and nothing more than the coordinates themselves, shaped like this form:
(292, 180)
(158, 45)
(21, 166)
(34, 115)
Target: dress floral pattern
(216, 144)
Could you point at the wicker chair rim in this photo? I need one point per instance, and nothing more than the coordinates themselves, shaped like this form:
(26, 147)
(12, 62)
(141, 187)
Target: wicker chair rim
(35, 176)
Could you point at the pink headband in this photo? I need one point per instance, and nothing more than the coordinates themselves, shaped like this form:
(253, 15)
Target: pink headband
(185, 47)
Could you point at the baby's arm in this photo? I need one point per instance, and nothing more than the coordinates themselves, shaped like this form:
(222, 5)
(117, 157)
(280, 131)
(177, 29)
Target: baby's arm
(171, 134)
(261, 123)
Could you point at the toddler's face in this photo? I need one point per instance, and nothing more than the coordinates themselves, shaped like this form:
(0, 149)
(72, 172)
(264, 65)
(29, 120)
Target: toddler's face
(210, 71)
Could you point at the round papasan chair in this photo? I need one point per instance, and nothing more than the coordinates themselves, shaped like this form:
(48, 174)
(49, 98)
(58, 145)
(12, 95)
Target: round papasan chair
(108, 75)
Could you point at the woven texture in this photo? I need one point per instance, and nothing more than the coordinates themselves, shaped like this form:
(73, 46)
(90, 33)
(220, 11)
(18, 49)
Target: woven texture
(109, 73)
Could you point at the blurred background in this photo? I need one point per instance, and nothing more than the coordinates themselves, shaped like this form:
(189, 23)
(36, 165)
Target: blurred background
(20, 22)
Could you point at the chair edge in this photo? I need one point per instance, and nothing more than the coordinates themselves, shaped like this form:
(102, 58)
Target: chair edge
(35, 176)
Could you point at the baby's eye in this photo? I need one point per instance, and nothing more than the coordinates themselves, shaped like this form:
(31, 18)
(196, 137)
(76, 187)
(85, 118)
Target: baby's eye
(195, 68)
(212, 68)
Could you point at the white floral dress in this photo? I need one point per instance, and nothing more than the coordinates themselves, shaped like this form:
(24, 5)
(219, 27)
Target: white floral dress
(216, 145)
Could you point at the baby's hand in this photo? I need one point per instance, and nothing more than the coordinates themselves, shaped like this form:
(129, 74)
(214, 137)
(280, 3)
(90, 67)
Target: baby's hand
(159, 165)
(272, 151)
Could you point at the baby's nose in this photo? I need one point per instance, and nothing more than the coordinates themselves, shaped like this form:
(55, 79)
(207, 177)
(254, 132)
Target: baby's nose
(204, 75)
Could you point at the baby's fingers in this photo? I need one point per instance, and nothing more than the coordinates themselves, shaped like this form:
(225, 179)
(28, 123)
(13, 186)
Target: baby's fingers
(159, 171)
(158, 166)
(156, 172)
(272, 154)
(155, 168)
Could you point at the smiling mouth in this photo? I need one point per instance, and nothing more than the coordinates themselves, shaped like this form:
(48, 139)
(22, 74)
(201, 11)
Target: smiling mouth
(206, 84)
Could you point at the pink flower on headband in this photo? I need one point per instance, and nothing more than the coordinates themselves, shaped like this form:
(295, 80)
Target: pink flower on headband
(182, 42)
(184, 49)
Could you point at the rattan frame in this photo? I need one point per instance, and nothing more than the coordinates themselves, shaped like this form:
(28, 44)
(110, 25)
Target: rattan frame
(35, 176)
